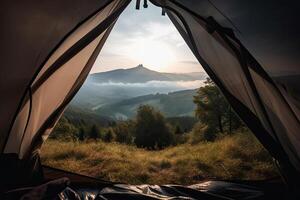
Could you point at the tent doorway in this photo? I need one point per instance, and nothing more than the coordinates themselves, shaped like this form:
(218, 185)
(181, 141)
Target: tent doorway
(99, 136)
(245, 66)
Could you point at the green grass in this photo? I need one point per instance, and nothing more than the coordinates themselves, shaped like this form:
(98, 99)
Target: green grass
(239, 156)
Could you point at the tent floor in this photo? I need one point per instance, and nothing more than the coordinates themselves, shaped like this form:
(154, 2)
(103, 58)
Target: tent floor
(91, 187)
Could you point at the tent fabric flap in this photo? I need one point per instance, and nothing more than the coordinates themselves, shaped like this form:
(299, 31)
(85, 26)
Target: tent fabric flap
(59, 78)
(265, 96)
(33, 31)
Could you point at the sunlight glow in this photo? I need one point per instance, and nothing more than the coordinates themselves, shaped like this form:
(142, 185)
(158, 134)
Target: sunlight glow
(146, 38)
(152, 53)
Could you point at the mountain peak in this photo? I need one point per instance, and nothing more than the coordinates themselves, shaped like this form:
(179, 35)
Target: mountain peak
(140, 67)
(141, 74)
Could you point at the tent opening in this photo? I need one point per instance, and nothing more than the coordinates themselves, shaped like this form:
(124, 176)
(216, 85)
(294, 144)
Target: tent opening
(149, 114)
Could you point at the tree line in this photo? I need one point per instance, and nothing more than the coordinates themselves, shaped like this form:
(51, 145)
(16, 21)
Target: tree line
(150, 129)
(214, 113)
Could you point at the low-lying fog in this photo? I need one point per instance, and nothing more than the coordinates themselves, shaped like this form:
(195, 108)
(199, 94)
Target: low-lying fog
(156, 86)
(108, 92)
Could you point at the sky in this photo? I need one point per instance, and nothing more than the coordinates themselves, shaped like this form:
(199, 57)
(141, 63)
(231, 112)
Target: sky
(146, 37)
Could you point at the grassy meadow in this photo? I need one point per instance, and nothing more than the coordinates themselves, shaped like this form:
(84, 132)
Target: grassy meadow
(236, 156)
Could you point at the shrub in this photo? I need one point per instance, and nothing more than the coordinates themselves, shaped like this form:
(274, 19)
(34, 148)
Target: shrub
(202, 132)
(64, 130)
(124, 132)
(178, 130)
(109, 136)
(151, 130)
(94, 132)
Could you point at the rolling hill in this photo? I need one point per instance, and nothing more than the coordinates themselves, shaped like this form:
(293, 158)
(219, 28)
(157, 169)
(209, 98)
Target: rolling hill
(174, 104)
(110, 87)
(77, 116)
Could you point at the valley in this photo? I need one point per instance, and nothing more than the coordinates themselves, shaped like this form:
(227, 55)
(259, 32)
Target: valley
(116, 94)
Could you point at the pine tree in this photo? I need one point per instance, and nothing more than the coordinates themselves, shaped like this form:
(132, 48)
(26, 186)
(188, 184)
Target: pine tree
(81, 134)
(94, 132)
(109, 136)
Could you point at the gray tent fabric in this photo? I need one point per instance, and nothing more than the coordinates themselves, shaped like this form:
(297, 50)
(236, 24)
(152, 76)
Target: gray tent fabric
(28, 44)
(48, 66)
(264, 92)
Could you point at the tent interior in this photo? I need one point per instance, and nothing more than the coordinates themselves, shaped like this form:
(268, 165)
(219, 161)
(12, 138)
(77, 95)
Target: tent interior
(249, 49)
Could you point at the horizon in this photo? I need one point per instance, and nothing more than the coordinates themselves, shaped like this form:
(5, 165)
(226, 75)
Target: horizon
(149, 68)
(135, 40)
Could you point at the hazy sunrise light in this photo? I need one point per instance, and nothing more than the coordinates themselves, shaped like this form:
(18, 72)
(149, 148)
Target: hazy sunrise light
(146, 37)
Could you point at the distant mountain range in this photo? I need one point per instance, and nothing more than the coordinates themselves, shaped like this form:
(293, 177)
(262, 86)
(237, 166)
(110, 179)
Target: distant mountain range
(141, 74)
(117, 94)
